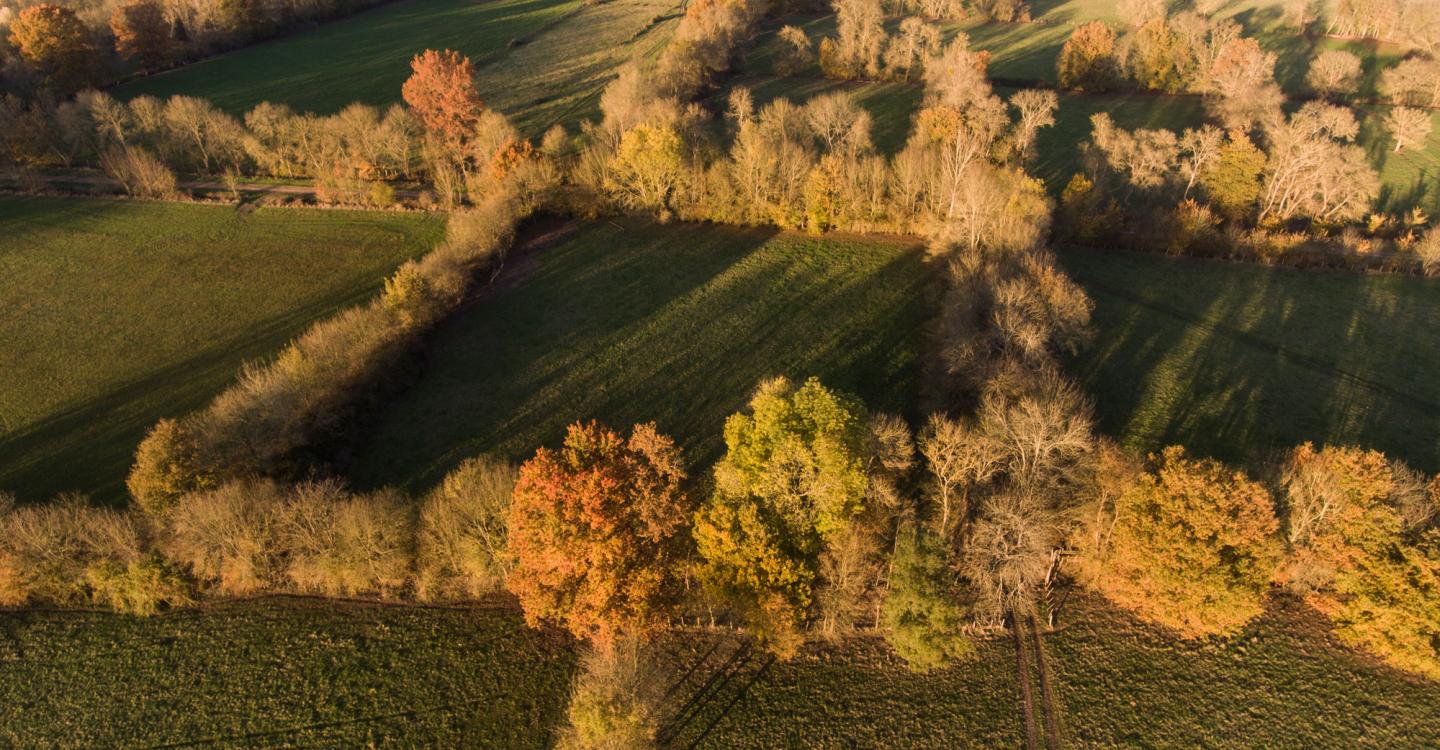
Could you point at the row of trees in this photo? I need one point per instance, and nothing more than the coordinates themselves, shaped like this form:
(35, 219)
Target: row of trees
(1285, 190)
(445, 134)
(66, 47)
(1188, 52)
(814, 166)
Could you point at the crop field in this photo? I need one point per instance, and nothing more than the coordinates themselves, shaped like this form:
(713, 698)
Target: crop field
(1282, 683)
(116, 313)
(538, 61)
(1236, 360)
(629, 321)
(281, 672)
(291, 672)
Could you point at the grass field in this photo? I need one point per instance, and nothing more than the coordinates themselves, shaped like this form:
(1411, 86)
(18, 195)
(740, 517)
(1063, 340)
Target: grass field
(280, 673)
(1235, 360)
(116, 313)
(294, 673)
(538, 61)
(629, 321)
(364, 58)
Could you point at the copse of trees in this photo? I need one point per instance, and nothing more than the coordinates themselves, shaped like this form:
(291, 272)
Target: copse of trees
(1297, 183)
(596, 530)
(863, 49)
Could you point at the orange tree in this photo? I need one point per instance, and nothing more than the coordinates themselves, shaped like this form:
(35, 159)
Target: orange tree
(1365, 550)
(55, 41)
(596, 530)
(1183, 542)
(141, 33)
(441, 92)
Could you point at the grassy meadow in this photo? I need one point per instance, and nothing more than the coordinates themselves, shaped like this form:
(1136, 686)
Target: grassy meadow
(629, 321)
(116, 313)
(1237, 360)
(539, 61)
(286, 672)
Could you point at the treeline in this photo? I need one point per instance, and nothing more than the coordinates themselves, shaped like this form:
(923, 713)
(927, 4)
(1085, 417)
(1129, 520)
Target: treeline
(59, 49)
(1192, 51)
(1262, 184)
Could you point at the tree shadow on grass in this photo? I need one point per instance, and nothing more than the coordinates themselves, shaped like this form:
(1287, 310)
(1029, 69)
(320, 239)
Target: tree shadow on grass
(1237, 361)
(632, 322)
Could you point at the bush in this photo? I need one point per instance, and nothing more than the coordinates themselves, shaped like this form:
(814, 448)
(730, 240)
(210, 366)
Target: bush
(609, 709)
(460, 542)
(229, 537)
(139, 172)
(339, 544)
(922, 620)
(67, 552)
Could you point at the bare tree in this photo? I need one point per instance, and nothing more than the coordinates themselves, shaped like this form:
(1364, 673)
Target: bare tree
(1036, 108)
(1334, 72)
(1409, 127)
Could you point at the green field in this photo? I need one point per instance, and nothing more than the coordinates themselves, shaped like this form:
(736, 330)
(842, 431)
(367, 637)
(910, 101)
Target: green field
(538, 61)
(1237, 360)
(629, 321)
(115, 313)
(294, 673)
(280, 672)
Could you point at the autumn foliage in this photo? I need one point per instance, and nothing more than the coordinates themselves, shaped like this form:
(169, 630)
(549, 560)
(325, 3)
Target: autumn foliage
(1184, 542)
(596, 532)
(141, 33)
(56, 41)
(441, 92)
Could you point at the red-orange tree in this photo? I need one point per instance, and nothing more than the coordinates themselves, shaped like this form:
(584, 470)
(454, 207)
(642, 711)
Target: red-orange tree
(596, 530)
(441, 92)
(54, 40)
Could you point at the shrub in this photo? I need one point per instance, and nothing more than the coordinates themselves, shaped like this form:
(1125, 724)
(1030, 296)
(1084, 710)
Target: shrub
(1184, 542)
(460, 545)
(68, 552)
(340, 544)
(609, 709)
(922, 620)
(229, 537)
(139, 172)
